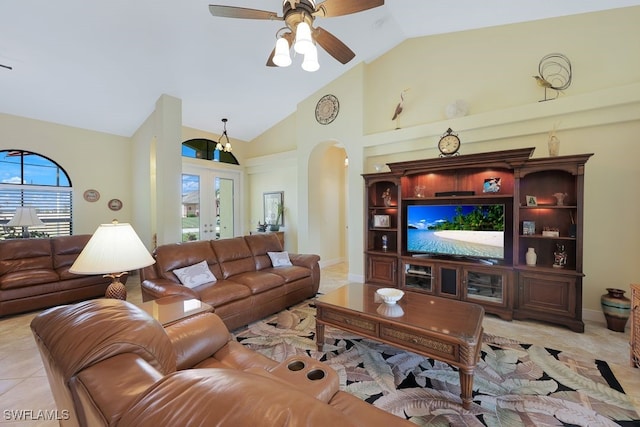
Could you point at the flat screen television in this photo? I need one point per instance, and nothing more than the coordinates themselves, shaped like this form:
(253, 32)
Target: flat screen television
(464, 230)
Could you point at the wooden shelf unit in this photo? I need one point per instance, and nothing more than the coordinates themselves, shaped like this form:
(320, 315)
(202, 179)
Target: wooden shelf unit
(509, 288)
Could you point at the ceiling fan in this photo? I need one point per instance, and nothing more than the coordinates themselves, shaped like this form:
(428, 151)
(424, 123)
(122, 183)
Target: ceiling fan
(299, 16)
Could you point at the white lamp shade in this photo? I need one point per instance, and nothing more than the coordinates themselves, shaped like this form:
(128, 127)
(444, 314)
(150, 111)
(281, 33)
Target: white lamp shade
(310, 62)
(24, 217)
(113, 248)
(303, 38)
(281, 56)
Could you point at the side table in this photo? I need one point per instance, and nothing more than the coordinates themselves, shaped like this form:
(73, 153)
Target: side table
(169, 310)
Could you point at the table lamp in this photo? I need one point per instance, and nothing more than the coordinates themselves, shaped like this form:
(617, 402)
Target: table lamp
(24, 217)
(113, 250)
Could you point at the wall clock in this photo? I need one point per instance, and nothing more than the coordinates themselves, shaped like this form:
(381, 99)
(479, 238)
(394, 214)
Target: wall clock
(91, 195)
(327, 109)
(115, 204)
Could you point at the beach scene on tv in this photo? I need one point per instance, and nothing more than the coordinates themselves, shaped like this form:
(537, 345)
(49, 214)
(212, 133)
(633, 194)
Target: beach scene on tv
(458, 230)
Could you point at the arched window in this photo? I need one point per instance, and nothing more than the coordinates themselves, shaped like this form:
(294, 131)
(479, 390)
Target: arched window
(201, 148)
(30, 179)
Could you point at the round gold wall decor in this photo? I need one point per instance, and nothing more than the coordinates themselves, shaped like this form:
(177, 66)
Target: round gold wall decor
(327, 109)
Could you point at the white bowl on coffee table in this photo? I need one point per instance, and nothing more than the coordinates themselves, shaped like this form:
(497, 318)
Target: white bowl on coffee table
(390, 295)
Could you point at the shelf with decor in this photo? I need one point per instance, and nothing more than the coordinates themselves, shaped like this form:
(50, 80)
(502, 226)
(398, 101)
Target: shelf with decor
(381, 229)
(515, 202)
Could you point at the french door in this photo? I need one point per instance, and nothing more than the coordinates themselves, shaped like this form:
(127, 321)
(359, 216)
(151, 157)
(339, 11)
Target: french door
(209, 206)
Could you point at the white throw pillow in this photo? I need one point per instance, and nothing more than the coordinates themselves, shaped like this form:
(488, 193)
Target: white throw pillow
(279, 259)
(195, 275)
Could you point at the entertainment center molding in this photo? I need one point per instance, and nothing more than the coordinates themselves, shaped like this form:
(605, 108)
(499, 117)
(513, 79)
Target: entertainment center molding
(500, 229)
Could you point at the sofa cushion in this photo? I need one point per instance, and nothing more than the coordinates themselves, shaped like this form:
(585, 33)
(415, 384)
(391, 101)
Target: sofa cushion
(279, 259)
(259, 281)
(21, 279)
(224, 292)
(234, 256)
(260, 244)
(65, 250)
(25, 254)
(178, 255)
(195, 275)
(290, 273)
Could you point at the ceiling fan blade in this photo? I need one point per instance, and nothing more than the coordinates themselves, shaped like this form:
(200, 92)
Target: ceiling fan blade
(330, 8)
(333, 45)
(289, 38)
(242, 12)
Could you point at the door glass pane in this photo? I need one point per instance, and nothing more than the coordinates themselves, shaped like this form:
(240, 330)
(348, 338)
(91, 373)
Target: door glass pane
(224, 208)
(190, 207)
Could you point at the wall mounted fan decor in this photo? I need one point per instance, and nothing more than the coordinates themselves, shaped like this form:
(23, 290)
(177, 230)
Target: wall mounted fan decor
(300, 33)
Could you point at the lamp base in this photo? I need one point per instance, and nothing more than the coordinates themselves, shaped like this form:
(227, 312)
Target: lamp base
(116, 290)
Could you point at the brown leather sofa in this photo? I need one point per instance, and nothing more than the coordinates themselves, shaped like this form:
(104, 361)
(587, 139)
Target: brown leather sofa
(34, 274)
(248, 287)
(111, 364)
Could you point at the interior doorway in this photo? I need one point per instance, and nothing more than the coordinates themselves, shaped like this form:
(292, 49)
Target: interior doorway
(210, 209)
(327, 202)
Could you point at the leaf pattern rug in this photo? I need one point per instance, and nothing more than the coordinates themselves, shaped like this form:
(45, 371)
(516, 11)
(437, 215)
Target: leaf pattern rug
(514, 384)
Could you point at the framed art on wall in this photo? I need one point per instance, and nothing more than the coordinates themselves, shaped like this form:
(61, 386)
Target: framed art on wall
(274, 208)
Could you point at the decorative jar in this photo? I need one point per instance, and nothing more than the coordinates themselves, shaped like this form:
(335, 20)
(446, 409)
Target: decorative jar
(616, 308)
(531, 257)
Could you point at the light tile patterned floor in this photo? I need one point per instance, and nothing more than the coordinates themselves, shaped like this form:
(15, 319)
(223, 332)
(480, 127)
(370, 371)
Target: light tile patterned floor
(24, 388)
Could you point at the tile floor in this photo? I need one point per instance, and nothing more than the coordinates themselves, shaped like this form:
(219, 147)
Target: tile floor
(24, 386)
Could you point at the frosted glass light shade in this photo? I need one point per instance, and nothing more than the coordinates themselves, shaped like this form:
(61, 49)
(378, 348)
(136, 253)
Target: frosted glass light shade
(24, 217)
(303, 38)
(281, 57)
(113, 248)
(310, 62)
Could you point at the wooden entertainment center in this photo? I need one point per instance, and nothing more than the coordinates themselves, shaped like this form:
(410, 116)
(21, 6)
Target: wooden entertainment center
(546, 193)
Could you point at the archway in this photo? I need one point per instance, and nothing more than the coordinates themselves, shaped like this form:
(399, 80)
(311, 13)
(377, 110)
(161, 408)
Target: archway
(327, 202)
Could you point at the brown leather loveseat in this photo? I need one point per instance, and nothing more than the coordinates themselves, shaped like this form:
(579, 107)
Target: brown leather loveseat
(246, 286)
(111, 364)
(34, 274)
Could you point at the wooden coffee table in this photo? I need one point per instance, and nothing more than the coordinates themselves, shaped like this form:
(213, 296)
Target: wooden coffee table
(443, 329)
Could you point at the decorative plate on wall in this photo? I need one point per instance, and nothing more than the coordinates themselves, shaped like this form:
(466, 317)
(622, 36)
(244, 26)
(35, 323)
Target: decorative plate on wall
(327, 109)
(91, 195)
(115, 204)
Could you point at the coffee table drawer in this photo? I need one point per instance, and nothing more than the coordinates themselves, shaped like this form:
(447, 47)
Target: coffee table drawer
(422, 343)
(347, 321)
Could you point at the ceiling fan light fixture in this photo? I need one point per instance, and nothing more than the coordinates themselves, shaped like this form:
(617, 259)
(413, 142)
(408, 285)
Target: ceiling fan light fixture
(281, 57)
(303, 38)
(310, 62)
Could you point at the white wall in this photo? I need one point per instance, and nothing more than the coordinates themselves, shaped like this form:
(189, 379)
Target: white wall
(93, 160)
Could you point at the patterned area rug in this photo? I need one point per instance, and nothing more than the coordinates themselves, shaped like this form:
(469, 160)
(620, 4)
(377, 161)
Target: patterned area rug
(515, 384)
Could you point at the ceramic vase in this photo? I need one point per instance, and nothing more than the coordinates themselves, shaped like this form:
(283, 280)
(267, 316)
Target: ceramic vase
(616, 308)
(531, 257)
(554, 145)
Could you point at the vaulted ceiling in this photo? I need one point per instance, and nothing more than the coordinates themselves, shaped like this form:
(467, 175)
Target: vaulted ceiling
(101, 65)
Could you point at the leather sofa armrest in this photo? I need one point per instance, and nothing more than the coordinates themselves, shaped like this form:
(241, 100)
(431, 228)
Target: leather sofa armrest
(125, 375)
(158, 288)
(305, 260)
(197, 338)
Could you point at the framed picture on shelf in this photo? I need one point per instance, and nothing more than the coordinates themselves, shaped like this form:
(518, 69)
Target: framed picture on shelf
(528, 228)
(492, 185)
(381, 221)
(532, 201)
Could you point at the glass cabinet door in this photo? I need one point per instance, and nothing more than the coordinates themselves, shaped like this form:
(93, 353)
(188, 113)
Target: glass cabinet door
(484, 286)
(418, 277)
